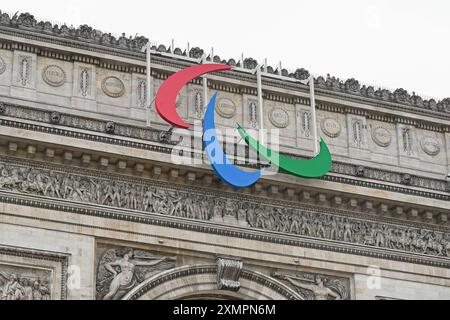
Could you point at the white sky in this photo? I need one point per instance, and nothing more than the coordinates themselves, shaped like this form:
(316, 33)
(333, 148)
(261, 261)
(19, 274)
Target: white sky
(401, 43)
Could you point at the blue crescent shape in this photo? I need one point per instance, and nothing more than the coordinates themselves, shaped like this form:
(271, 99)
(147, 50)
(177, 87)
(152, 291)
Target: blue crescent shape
(228, 172)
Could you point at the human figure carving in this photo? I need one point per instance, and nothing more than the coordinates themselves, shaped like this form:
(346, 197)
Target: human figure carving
(124, 277)
(320, 291)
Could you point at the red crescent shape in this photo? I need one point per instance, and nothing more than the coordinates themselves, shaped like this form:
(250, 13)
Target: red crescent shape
(168, 92)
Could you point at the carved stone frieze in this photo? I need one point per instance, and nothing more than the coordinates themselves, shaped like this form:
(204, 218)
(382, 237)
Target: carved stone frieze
(312, 286)
(119, 270)
(19, 283)
(85, 123)
(27, 274)
(157, 135)
(78, 187)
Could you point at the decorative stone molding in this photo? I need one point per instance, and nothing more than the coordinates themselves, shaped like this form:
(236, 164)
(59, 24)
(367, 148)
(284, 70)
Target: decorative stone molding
(121, 269)
(253, 114)
(2, 66)
(76, 122)
(110, 127)
(430, 146)
(157, 135)
(27, 26)
(198, 205)
(189, 278)
(55, 117)
(331, 127)
(85, 81)
(226, 108)
(113, 87)
(279, 117)
(382, 137)
(27, 274)
(228, 274)
(312, 286)
(223, 230)
(54, 75)
(24, 70)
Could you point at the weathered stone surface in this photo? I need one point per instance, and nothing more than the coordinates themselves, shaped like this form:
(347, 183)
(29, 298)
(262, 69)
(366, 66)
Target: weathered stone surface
(90, 185)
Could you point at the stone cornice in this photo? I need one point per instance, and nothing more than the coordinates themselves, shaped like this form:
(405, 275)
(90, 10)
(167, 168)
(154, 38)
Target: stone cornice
(160, 141)
(86, 38)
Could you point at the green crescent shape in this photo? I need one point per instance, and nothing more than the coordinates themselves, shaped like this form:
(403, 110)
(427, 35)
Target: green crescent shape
(311, 169)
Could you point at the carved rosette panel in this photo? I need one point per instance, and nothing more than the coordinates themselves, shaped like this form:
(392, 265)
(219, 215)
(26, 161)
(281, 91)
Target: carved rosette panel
(431, 146)
(226, 108)
(120, 269)
(113, 87)
(54, 75)
(331, 127)
(279, 117)
(382, 137)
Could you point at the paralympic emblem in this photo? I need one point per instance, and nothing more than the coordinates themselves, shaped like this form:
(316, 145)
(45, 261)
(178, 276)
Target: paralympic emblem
(229, 173)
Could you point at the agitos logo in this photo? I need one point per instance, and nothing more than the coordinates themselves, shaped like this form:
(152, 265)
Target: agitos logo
(228, 172)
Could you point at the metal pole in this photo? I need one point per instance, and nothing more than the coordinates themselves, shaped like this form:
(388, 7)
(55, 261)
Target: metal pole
(314, 116)
(149, 85)
(205, 86)
(260, 105)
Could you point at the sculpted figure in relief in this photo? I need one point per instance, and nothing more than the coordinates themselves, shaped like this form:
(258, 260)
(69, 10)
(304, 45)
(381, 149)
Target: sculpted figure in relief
(195, 205)
(318, 288)
(118, 270)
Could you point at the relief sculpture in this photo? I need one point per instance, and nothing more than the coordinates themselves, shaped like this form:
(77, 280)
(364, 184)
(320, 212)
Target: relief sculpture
(21, 284)
(196, 205)
(317, 287)
(120, 270)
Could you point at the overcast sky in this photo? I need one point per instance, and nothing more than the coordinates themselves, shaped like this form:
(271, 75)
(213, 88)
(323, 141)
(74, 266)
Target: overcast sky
(401, 43)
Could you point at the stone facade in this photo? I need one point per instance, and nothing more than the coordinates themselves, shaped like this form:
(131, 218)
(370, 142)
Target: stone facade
(92, 205)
